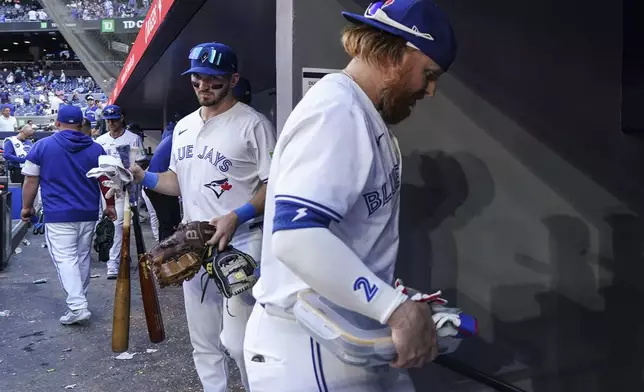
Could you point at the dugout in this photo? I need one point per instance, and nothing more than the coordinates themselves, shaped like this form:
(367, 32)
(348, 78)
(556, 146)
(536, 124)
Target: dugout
(522, 193)
(151, 88)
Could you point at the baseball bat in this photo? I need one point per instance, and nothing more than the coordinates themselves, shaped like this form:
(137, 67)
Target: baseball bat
(121, 318)
(153, 318)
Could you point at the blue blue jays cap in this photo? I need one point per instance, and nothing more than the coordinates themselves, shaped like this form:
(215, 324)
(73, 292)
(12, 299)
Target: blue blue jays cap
(420, 22)
(112, 112)
(68, 114)
(242, 91)
(212, 58)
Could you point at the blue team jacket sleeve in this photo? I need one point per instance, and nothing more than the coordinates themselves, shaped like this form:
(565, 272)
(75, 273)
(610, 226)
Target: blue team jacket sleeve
(10, 153)
(160, 161)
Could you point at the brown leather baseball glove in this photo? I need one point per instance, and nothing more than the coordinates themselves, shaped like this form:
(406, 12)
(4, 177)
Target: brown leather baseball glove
(179, 257)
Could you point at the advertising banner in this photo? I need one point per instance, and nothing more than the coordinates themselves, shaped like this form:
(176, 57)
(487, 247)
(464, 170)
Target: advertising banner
(116, 26)
(121, 25)
(156, 14)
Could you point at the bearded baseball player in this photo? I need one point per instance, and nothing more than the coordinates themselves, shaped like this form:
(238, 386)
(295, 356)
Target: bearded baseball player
(333, 201)
(220, 164)
(117, 136)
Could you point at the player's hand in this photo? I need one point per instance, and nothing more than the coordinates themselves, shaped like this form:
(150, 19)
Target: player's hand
(137, 172)
(110, 212)
(27, 213)
(414, 335)
(225, 229)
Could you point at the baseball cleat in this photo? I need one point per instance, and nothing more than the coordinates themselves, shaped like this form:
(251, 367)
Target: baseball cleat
(75, 316)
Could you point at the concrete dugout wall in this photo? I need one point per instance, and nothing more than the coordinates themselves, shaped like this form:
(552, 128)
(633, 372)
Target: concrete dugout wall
(521, 196)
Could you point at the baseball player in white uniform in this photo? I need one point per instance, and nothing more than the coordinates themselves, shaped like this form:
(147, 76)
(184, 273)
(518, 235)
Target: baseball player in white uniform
(116, 136)
(220, 164)
(331, 221)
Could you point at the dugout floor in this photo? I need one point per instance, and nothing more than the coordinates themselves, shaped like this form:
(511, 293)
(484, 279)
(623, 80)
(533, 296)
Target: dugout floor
(35, 348)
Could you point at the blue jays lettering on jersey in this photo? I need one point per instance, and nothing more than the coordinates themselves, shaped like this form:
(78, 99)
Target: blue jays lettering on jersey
(209, 154)
(377, 198)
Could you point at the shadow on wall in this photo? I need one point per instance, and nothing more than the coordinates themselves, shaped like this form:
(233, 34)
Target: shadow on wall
(456, 189)
(605, 354)
(606, 351)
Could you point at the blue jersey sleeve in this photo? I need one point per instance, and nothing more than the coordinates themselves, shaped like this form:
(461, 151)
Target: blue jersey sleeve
(160, 161)
(323, 166)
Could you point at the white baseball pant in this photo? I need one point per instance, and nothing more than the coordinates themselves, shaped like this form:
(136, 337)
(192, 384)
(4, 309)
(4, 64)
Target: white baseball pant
(281, 356)
(154, 221)
(219, 322)
(115, 250)
(70, 246)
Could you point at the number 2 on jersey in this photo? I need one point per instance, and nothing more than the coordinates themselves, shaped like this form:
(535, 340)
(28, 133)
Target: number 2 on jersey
(369, 289)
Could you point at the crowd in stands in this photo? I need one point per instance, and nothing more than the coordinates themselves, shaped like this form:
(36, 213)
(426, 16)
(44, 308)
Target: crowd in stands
(32, 91)
(32, 11)
(91, 10)
(21, 11)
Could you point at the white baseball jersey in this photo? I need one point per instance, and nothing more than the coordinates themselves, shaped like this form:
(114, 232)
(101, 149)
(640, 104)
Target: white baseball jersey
(335, 165)
(222, 162)
(110, 144)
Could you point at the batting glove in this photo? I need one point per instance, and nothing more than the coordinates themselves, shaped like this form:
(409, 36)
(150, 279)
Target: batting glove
(450, 322)
(115, 188)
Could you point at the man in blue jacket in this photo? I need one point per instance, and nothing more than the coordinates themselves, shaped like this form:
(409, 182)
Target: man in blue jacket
(169, 128)
(59, 164)
(167, 207)
(15, 152)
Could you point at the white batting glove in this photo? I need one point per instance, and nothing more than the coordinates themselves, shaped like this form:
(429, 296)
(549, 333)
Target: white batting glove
(115, 188)
(450, 322)
(446, 324)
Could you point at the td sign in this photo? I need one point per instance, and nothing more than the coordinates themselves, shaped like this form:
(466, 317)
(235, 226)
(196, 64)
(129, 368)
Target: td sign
(132, 24)
(121, 25)
(107, 26)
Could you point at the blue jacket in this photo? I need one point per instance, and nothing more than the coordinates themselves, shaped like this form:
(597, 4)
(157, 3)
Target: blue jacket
(9, 153)
(167, 132)
(160, 161)
(64, 159)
